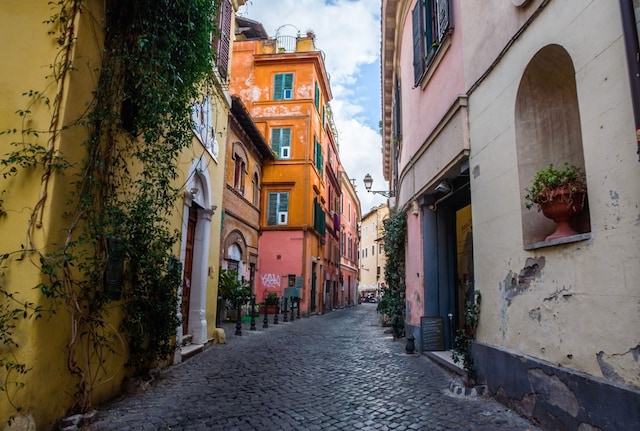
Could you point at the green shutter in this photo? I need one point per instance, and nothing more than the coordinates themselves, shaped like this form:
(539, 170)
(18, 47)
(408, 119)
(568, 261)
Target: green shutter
(272, 209)
(288, 84)
(286, 139)
(284, 202)
(276, 137)
(278, 85)
(317, 96)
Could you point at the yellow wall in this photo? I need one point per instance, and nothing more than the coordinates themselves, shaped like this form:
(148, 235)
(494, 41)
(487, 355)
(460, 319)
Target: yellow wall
(28, 51)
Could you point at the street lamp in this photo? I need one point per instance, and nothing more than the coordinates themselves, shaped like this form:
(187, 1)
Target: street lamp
(368, 182)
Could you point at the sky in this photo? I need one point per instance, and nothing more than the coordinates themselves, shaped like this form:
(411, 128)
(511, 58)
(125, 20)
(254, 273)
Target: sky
(348, 31)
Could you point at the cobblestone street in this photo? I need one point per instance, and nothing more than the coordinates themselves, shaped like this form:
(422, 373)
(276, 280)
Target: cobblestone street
(337, 371)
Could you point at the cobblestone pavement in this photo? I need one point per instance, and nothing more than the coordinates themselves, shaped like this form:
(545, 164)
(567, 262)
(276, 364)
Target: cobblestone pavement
(337, 371)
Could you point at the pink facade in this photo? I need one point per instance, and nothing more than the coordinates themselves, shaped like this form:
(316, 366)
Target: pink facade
(280, 256)
(426, 152)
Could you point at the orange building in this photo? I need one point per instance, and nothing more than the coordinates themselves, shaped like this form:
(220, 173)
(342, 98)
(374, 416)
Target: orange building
(284, 85)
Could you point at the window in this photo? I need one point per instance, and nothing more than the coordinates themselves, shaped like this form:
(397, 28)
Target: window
(256, 190)
(238, 176)
(281, 142)
(350, 248)
(373, 250)
(222, 38)
(316, 99)
(431, 23)
(317, 155)
(278, 206)
(380, 248)
(283, 86)
(319, 218)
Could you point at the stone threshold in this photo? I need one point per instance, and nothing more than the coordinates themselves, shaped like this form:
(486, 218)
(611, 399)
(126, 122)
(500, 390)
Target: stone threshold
(189, 350)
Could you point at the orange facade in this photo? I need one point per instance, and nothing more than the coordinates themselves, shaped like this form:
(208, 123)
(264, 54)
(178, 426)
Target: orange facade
(286, 90)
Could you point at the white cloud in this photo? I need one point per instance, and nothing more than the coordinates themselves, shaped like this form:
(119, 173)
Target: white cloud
(348, 31)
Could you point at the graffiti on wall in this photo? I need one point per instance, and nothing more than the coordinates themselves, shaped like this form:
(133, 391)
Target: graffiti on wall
(271, 280)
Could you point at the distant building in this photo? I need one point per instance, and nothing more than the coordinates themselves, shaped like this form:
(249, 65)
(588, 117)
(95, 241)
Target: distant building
(247, 151)
(284, 85)
(372, 256)
(349, 241)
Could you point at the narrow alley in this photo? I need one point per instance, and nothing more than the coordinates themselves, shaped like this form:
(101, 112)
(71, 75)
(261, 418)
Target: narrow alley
(337, 371)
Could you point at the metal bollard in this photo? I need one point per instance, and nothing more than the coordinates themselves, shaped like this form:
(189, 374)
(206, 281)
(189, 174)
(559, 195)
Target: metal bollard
(275, 316)
(253, 313)
(293, 302)
(239, 317)
(219, 311)
(265, 321)
(286, 319)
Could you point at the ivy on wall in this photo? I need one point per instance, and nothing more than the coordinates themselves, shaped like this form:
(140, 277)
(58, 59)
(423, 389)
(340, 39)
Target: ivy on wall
(392, 302)
(118, 239)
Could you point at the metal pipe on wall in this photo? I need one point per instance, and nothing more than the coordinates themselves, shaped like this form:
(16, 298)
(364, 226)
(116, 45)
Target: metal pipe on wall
(632, 49)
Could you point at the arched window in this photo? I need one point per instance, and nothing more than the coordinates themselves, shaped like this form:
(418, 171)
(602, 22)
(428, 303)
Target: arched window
(548, 131)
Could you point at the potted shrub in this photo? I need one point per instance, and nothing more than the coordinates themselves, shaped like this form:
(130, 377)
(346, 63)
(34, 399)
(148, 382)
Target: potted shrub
(560, 195)
(270, 302)
(233, 290)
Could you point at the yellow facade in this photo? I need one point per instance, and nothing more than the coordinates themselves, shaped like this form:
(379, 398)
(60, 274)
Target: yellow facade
(37, 201)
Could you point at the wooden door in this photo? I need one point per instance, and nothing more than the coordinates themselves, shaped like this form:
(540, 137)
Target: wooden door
(188, 267)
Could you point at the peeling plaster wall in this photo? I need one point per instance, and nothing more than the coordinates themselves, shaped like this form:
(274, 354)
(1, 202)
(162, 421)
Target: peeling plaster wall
(574, 305)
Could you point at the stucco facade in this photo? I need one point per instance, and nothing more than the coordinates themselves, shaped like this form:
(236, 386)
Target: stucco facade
(571, 305)
(349, 241)
(372, 258)
(48, 390)
(509, 90)
(284, 85)
(246, 153)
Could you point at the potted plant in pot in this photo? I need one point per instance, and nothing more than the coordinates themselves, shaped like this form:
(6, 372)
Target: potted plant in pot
(233, 290)
(560, 195)
(270, 302)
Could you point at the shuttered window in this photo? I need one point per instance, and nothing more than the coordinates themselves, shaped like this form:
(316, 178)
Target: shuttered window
(317, 96)
(278, 208)
(318, 157)
(281, 142)
(283, 86)
(319, 218)
(222, 41)
(431, 23)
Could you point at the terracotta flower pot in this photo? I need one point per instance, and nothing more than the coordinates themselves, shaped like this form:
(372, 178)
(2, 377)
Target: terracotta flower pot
(562, 208)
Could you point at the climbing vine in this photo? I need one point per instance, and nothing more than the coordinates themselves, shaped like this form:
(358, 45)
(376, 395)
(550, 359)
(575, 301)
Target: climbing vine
(392, 302)
(464, 337)
(118, 239)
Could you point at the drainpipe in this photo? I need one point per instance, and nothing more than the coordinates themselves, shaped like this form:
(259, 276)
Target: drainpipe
(630, 33)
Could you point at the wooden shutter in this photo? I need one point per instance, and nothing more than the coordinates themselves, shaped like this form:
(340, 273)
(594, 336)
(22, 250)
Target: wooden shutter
(226, 15)
(276, 135)
(418, 40)
(272, 209)
(278, 86)
(443, 19)
(283, 205)
(288, 84)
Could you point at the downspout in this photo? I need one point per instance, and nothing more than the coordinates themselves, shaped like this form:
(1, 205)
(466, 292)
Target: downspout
(630, 34)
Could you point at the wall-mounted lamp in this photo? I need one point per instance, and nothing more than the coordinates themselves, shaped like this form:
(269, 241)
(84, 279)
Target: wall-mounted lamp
(443, 187)
(368, 182)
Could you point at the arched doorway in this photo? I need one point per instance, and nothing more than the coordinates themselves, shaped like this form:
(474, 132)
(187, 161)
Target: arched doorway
(194, 255)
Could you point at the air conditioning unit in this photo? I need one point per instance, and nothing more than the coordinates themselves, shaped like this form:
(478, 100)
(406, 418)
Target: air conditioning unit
(283, 217)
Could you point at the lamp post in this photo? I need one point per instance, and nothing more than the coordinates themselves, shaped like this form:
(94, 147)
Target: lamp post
(368, 182)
